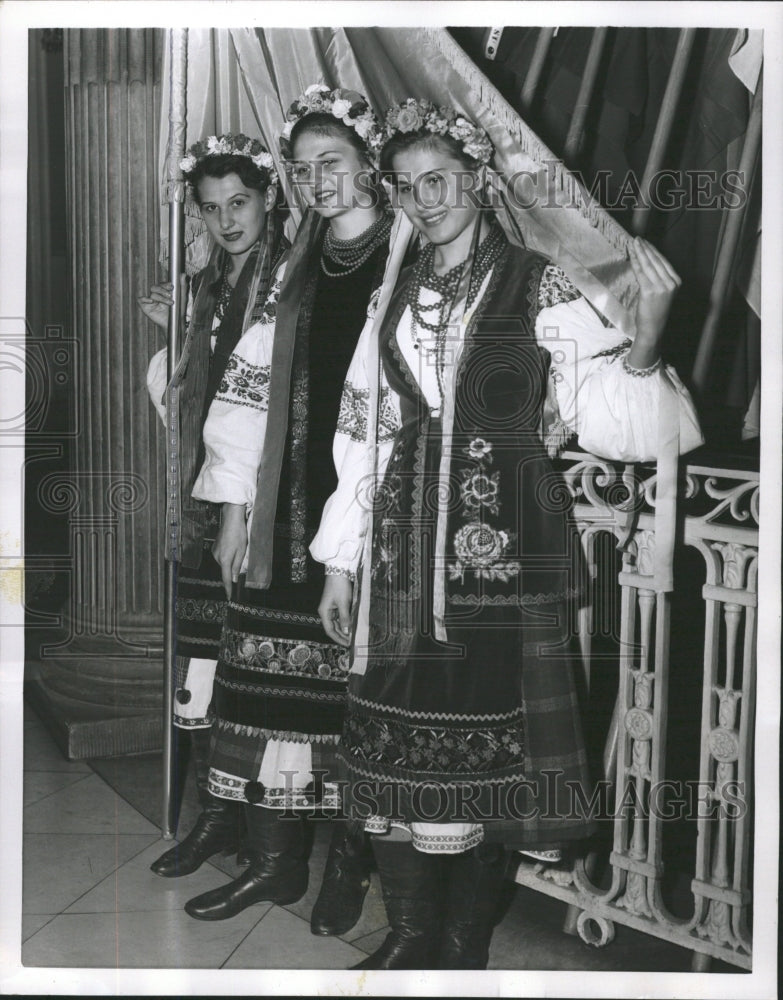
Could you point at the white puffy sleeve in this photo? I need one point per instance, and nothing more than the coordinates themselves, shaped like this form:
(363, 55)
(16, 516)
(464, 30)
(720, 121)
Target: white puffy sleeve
(610, 406)
(156, 382)
(157, 370)
(236, 423)
(339, 541)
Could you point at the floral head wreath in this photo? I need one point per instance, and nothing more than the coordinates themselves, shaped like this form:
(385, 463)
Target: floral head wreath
(347, 106)
(229, 145)
(414, 116)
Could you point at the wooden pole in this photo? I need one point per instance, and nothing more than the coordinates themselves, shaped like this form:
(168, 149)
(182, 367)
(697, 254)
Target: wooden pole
(725, 267)
(664, 124)
(530, 85)
(592, 65)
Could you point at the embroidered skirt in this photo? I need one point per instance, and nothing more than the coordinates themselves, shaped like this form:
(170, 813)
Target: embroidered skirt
(481, 733)
(279, 699)
(200, 610)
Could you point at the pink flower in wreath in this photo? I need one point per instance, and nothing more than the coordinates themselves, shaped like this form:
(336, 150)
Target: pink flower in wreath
(409, 119)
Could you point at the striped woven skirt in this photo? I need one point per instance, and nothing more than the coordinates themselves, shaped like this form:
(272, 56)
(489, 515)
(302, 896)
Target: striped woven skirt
(279, 699)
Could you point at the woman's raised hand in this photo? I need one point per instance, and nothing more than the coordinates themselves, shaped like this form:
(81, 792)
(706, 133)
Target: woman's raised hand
(658, 284)
(231, 543)
(335, 608)
(157, 304)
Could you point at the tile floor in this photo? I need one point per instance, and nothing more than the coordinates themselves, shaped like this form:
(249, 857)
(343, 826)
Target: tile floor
(90, 900)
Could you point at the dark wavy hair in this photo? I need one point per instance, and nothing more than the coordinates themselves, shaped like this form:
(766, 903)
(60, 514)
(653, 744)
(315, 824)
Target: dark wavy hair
(223, 164)
(323, 123)
(400, 142)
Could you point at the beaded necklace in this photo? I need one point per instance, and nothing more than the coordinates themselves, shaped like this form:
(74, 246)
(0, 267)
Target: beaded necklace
(349, 255)
(224, 295)
(446, 285)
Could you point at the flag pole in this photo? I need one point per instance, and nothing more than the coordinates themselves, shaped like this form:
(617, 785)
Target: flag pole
(175, 194)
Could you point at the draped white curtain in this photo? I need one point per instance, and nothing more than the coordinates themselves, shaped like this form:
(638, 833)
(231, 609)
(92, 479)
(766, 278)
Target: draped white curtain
(243, 80)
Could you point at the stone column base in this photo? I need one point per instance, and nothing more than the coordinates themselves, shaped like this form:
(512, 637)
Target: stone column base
(82, 730)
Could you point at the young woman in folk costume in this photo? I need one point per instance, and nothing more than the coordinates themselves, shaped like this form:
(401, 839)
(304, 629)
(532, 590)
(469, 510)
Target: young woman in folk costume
(233, 181)
(281, 684)
(462, 731)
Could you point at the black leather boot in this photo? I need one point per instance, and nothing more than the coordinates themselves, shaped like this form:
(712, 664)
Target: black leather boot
(412, 887)
(200, 755)
(346, 881)
(215, 831)
(216, 828)
(277, 873)
(199, 758)
(475, 882)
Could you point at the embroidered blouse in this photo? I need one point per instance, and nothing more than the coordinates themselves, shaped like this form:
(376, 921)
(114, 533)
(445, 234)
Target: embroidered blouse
(234, 429)
(611, 407)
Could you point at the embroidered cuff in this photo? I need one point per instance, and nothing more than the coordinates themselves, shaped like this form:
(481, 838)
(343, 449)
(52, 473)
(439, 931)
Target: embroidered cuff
(340, 571)
(641, 372)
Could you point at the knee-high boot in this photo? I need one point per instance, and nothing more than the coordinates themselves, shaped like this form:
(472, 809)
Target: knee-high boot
(472, 898)
(346, 880)
(411, 882)
(199, 753)
(217, 828)
(199, 756)
(277, 872)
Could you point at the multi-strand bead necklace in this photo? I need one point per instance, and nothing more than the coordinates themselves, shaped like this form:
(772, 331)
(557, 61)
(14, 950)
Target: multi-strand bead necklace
(224, 295)
(446, 285)
(349, 255)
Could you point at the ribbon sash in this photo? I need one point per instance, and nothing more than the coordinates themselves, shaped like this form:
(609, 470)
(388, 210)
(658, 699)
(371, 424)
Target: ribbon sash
(261, 541)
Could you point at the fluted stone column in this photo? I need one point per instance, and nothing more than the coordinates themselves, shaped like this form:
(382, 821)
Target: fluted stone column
(102, 679)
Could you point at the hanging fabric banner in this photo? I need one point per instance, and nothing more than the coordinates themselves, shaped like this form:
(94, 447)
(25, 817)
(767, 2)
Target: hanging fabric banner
(244, 79)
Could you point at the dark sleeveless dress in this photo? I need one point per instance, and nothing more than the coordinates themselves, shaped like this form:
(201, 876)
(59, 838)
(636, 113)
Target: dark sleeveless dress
(278, 676)
(484, 727)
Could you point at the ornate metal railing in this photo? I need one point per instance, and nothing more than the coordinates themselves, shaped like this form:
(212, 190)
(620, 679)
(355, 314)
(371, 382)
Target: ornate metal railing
(624, 879)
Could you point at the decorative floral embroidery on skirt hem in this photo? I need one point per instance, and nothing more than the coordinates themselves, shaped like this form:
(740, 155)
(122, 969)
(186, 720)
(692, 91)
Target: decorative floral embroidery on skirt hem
(245, 651)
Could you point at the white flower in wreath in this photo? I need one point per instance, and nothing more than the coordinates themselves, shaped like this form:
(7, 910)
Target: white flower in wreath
(462, 129)
(264, 160)
(218, 146)
(480, 490)
(439, 125)
(479, 448)
(188, 163)
(341, 107)
(480, 149)
(316, 88)
(363, 126)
